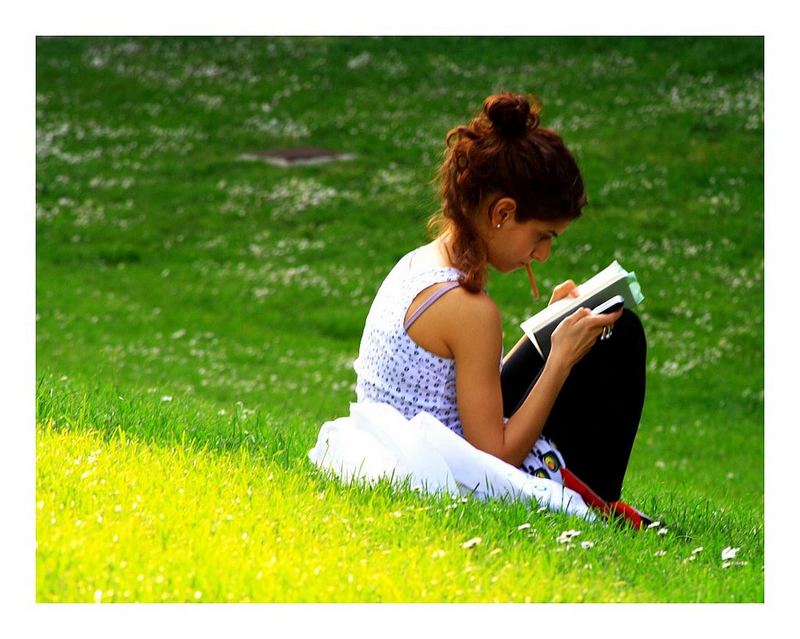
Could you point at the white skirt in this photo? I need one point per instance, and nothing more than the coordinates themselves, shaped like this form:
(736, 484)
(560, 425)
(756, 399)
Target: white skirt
(377, 442)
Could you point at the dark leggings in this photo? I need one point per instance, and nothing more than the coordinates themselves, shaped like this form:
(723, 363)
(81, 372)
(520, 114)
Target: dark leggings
(596, 415)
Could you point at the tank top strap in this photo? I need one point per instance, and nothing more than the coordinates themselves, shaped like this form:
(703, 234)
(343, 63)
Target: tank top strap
(428, 302)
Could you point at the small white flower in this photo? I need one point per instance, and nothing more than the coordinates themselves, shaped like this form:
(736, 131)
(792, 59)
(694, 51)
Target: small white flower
(166, 398)
(697, 550)
(438, 553)
(662, 531)
(587, 544)
(729, 553)
(566, 536)
(471, 543)
(523, 526)
(359, 61)
(197, 594)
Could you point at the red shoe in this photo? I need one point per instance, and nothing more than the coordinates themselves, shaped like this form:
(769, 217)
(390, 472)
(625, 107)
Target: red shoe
(635, 518)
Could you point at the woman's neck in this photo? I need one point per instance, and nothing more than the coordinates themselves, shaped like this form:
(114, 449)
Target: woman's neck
(444, 248)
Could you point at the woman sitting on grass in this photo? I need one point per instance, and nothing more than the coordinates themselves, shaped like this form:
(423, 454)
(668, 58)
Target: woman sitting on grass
(433, 337)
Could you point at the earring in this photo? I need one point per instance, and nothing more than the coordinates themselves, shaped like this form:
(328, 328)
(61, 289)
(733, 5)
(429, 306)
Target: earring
(499, 225)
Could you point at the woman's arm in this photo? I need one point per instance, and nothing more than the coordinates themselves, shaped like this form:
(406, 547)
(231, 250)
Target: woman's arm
(475, 341)
(565, 289)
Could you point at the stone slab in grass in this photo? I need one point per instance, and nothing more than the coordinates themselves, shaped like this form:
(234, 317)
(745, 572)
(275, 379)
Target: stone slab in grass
(296, 156)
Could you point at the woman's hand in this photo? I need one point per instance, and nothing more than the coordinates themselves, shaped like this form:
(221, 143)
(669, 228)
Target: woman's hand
(576, 334)
(565, 289)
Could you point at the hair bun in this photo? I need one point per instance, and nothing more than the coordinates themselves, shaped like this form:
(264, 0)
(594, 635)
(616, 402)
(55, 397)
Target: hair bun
(510, 114)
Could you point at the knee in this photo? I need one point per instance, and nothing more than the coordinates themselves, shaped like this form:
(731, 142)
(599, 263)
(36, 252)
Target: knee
(632, 327)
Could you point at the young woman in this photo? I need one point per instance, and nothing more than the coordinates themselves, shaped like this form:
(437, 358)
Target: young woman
(433, 337)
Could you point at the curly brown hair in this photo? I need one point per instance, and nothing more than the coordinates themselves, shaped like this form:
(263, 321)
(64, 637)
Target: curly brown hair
(503, 150)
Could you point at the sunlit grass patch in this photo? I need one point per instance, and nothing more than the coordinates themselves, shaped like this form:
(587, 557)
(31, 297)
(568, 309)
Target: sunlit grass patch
(133, 513)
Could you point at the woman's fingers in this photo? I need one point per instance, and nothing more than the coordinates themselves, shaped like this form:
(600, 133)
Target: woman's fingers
(606, 319)
(584, 315)
(578, 333)
(565, 289)
(580, 314)
(601, 326)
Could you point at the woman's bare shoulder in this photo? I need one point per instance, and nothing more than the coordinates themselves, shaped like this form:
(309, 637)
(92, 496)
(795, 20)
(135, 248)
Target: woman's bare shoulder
(479, 305)
(477, 318)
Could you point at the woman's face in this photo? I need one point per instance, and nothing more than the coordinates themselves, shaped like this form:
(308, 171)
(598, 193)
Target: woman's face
(516, 244)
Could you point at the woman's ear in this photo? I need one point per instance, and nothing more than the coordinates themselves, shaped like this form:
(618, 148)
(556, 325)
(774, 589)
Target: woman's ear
(502, 210)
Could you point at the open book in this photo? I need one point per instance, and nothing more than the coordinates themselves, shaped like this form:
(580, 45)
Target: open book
(612, 280)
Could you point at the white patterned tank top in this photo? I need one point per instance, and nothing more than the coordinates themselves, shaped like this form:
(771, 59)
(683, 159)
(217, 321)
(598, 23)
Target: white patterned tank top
(393, 368)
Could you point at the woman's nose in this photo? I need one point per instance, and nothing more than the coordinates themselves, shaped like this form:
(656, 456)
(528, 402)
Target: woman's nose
(541, 251)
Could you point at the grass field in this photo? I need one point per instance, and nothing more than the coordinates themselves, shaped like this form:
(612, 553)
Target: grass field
(198, 313)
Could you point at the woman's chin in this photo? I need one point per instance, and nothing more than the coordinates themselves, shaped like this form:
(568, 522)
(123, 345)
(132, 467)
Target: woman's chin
(507, 268)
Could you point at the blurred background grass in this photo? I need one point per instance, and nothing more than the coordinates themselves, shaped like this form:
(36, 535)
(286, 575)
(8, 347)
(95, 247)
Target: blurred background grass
(164, 261)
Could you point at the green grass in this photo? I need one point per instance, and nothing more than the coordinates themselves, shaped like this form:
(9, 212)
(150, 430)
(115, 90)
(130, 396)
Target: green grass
(133, 504)
(167, 267)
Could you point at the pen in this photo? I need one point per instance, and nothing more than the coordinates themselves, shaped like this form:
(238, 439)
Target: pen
(533, 282)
